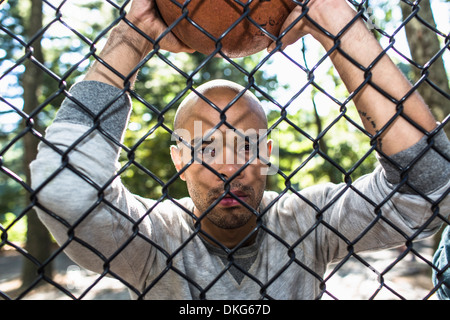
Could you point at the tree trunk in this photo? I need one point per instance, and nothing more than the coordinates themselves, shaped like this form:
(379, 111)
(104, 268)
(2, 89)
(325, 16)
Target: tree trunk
(424, 44)
(38, 242)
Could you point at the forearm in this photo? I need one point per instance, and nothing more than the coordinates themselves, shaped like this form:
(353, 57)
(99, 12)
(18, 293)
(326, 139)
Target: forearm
(374, 107)
(127, 47)
(122, 53)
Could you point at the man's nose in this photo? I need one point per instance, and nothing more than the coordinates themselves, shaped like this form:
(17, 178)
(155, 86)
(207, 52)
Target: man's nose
(231, 169)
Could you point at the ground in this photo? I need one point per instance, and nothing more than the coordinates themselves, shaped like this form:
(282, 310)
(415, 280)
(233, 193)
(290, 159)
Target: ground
(410, 278)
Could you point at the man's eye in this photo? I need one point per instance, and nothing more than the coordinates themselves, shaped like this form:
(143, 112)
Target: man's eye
(209, 151)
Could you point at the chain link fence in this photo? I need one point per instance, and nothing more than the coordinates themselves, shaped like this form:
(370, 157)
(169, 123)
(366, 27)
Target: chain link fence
(330, 199)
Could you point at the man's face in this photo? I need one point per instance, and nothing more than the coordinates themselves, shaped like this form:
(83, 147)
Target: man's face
(226, 151)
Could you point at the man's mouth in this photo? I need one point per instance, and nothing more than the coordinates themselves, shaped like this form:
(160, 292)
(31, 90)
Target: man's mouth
(230, 201)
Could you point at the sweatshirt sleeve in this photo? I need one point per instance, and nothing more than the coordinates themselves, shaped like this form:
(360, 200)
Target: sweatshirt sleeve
(78, 193)
(368, 214)
(421, 168)
(403, 200)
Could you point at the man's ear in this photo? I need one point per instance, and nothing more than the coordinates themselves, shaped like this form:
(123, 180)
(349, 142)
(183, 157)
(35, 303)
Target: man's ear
(269, 147)
(176, 154)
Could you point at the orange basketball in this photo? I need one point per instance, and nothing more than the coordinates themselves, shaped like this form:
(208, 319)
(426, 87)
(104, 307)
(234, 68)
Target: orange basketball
(217, 16)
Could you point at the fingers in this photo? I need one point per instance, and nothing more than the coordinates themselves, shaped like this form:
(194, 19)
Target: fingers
(296, 29)
(171, 43)
(144, 15)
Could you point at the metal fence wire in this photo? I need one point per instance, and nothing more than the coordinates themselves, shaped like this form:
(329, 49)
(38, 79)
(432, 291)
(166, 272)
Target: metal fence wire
(222, 237)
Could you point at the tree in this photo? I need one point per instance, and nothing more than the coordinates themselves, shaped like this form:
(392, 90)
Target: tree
(424, 46)
(29, 79)
(39, 241)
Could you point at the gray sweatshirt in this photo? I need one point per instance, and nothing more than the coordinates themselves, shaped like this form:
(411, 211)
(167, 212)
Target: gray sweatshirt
(155, 247)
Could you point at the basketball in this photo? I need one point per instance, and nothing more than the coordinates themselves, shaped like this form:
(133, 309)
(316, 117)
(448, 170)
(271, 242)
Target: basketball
(217, 16)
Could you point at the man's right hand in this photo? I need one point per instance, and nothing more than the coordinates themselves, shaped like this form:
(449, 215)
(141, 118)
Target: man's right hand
(144, 15)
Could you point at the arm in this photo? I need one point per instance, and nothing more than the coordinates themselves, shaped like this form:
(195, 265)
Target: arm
(401, 141)
(78, 195)
(126, 47)
(357, 42)
(352, 214)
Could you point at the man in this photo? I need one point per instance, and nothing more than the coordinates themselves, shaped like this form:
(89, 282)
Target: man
(232, 239)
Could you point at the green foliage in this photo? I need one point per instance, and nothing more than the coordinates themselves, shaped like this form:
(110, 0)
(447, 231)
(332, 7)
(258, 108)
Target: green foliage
(13, 229)
(341, 148)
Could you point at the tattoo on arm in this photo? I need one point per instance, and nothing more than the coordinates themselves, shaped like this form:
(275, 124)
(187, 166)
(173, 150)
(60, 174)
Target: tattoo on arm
(370, 121)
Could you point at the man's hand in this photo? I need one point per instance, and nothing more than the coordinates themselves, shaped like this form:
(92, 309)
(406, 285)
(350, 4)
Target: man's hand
(144, 15)
(331, 15)
(126, 47)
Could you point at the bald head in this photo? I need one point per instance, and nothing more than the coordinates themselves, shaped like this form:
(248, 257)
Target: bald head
(214, 91)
